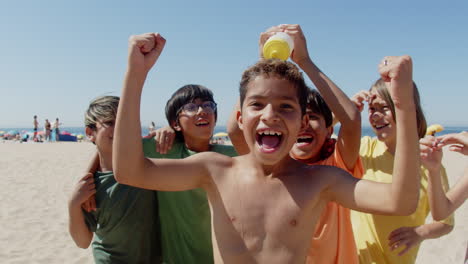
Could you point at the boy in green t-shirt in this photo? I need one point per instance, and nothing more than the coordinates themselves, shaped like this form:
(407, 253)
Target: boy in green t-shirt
(185, 216)
(122, 228)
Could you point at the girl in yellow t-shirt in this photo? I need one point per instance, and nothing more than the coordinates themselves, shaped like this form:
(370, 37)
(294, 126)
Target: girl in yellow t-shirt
(393, 239)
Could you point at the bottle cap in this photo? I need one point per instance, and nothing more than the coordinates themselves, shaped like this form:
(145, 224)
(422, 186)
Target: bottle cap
(278, 46)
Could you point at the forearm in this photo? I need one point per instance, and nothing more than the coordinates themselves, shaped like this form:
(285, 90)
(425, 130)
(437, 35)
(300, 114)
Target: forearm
(77, 227)
(344, 110)
(406, 169)
(433, 230)
(450, 201)
(340, 104)
(438, 201)
(128, 158)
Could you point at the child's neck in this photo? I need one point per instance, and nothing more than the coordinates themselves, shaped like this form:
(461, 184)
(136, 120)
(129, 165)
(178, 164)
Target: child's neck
(105, 162)
(198, 145)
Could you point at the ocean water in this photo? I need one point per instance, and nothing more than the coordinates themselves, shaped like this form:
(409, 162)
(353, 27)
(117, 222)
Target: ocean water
(366, 131)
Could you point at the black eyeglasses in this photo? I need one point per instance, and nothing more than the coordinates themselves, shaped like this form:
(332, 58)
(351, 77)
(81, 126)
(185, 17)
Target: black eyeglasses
(192, 108)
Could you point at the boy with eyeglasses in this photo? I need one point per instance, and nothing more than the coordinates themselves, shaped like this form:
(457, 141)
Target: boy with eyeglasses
(184, 217)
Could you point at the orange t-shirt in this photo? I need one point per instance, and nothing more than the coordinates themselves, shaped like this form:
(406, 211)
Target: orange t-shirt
(333, 240)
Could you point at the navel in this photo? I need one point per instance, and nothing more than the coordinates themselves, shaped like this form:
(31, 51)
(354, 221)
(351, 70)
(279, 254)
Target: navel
(293, 222)
(233, 218)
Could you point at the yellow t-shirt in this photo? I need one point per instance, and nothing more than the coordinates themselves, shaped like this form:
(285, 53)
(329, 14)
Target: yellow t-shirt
(371, 231)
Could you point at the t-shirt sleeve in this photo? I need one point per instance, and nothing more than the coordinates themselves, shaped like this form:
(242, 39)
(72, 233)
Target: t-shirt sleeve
(90, 221)
(450, 220)
(225, 150)
(357, 171)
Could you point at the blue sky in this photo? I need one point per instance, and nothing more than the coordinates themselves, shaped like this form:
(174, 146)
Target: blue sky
(58, 55)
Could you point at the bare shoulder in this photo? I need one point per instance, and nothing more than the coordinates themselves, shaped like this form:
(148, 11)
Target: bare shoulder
(325, 176)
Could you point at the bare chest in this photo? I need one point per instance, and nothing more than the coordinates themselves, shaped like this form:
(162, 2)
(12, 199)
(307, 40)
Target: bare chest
(265, 215)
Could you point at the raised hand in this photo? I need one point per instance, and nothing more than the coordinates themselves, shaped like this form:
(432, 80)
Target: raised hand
(361, 97)
(458, 142)
(144, 51)
(300, 53)
(398, 71)
(431, 153)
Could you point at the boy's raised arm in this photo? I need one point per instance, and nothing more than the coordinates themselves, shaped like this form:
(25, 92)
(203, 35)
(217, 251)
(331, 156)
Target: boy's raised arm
(129, 164)
(402, 195)
(343, 108)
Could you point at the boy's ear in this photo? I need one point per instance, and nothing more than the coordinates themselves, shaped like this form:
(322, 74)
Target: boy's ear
(239, 119)
(330, 131)
(90, 134)
(176, 126)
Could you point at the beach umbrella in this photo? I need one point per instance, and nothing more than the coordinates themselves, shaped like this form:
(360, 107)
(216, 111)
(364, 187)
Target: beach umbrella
(220, 134)
(2, 133)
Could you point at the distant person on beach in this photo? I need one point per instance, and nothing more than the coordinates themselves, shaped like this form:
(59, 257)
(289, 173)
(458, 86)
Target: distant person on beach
(264, 205)
(124, 227)
(36, 126)
(333, 240)
(47, 130)
(56, 126)
(394, 239)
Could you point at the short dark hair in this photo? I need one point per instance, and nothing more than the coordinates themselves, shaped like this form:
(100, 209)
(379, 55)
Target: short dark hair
(276, 68)
(186, 94)
(317, 105)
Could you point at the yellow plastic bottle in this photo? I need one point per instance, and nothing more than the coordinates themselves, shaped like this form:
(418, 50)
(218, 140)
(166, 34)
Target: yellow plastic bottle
(279, 46)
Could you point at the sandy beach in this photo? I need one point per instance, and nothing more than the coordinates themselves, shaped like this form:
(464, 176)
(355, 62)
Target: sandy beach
(37, 179)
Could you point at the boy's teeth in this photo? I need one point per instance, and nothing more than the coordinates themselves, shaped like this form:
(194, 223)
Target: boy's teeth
(270, 132)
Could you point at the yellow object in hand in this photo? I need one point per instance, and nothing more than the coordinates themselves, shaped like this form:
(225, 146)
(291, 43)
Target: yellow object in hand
(432, 129)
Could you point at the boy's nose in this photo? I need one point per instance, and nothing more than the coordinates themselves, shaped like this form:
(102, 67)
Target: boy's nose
(376, 115)
(269, 114)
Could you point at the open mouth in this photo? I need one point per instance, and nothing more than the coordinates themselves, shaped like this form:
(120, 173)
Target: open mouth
(304, 140)
(269, 140)
(380, 126)
(202, 123)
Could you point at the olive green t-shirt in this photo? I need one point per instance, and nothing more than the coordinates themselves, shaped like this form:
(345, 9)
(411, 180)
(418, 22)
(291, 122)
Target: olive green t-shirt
(125, 224)
(185, 216)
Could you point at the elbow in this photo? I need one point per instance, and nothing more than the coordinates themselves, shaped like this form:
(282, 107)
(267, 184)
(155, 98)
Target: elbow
(406, 208)
(82, 244)
(121, 176)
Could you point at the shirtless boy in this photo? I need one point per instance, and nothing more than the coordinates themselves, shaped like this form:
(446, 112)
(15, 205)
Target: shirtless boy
(264, 205)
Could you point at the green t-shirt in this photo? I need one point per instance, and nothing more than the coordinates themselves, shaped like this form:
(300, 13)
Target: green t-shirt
(185, 216)
(124, 223)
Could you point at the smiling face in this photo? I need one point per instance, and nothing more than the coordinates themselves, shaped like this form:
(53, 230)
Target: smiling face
(196, 125)
(381, 119)
(271, 118)
(310, 142)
